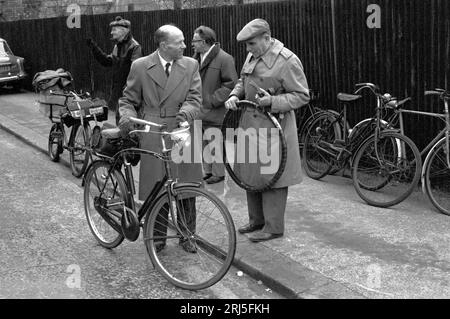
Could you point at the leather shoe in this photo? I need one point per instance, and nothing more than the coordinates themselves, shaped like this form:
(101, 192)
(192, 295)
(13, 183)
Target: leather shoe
(215, 179)
(258, 237)
(206, 176)
(188, 246)
(159, 246)
(250, 228)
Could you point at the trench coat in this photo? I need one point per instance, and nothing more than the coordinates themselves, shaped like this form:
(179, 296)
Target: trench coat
(150, 95)
(281, 71)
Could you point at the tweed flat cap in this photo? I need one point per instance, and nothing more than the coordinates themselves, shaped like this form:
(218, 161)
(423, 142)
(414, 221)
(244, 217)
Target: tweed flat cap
(252, 29)
(120, 22)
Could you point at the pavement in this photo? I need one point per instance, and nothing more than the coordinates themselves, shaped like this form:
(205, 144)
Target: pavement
(335, 246)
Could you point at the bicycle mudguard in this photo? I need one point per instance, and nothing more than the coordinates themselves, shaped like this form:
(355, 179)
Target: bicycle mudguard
(192, 184)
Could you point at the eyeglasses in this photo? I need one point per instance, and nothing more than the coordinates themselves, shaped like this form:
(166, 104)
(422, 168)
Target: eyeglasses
(193, 41)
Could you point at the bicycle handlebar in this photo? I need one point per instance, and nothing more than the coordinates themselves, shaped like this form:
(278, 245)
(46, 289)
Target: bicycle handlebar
(161, 127)
(443, 94)
(70, 94)
(373, 87)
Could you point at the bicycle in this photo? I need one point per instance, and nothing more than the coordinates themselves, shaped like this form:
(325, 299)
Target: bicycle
(305, 115)
(112, 214)
(385, 164)
(435, 174)
(76, 112)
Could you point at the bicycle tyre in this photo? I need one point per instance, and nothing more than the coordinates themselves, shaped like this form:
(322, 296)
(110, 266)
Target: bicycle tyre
(55, 143)
(399, 174)
(80, 137)
(97, 181)
(317, 163)
(231, 119)
(214, 254)
(437, 178)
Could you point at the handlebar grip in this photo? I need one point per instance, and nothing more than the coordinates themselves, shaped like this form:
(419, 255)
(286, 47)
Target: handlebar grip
(143, 122)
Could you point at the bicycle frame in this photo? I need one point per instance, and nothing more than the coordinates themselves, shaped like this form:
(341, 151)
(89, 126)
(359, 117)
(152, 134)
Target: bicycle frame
(167, 183)
(443, 134)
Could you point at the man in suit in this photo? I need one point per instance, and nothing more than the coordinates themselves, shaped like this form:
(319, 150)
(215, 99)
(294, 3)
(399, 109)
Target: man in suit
(164, 87)
(276, 69)
(126, 50)
(219, 76)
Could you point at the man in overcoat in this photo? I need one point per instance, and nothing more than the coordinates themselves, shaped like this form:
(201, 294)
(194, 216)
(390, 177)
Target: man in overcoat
(275, 69)
(219, 76)
(164, 87)
(126, 50)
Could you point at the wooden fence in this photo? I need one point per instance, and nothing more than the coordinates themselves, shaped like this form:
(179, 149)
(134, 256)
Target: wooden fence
(408, 54)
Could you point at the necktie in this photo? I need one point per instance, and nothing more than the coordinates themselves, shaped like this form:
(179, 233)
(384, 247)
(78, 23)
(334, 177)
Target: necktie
(167, 68)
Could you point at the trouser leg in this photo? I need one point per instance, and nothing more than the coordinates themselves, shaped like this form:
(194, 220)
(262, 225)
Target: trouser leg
(255, 208)
(274, 206)
(160, 230)
(186, 219)
(186, 216)
(207, 160)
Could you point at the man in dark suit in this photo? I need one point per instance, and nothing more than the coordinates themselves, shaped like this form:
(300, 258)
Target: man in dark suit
(219, 76)
(164, 87)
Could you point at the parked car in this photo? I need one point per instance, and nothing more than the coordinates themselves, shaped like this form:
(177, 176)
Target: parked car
(12, 70)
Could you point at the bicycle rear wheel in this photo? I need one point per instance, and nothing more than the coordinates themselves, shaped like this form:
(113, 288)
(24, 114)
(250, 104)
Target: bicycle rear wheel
(202, 253)
(316, 162)
(437, 178)
(80, 136)
(389, 180)
(55, 140)
(105, 198)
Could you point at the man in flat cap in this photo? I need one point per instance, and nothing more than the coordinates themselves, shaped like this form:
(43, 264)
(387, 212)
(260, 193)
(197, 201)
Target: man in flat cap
(275, 69)
(126, 50)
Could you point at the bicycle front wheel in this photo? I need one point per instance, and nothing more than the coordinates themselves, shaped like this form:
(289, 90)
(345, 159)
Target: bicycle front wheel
(194, 248)
(385, 171)
(437, 178)
(105, 199)
(78, 143)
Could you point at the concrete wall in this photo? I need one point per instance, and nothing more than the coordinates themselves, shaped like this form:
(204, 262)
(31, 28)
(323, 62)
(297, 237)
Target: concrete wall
(11, 10)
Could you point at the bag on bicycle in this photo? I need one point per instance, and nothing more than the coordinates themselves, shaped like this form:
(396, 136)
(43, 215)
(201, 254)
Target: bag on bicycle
(110, 142)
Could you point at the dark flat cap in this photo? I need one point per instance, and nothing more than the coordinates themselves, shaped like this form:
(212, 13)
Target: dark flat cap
(252, 29)
(120, 22)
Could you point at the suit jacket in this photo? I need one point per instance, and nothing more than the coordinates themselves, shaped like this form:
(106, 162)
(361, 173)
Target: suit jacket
(150, 95)
(219, 76)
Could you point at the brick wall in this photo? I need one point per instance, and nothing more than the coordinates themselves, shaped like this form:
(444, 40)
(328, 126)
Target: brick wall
(11, 10)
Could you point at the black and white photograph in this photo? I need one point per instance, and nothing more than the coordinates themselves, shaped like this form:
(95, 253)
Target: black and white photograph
(221, 158)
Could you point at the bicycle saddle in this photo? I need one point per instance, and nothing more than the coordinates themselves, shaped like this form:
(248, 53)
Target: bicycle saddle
(344, 97)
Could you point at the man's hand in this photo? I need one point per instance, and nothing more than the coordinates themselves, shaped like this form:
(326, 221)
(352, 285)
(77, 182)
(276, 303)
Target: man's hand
(125, 126)
(230, 104)
(264, 99)
(181, 120)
